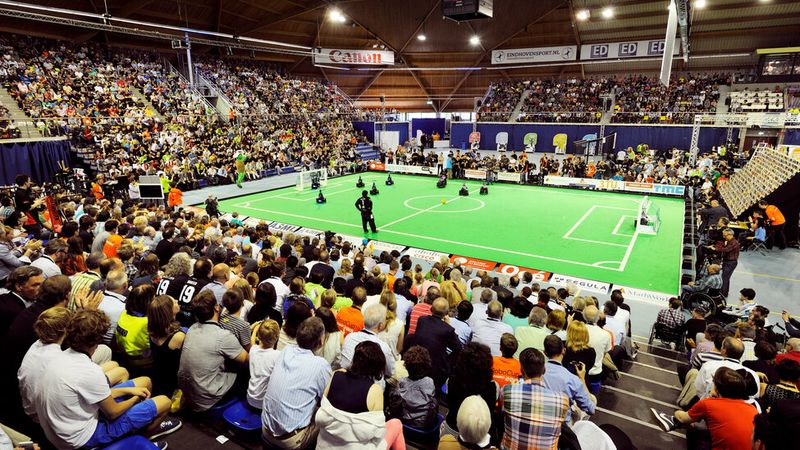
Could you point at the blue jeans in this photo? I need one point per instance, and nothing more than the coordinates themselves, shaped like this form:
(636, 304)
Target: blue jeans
(137, 417)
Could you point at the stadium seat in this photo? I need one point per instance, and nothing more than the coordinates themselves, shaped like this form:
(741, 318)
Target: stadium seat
(216, 412)
(135, 442)
(594, 387)
(243, 417)
(423, 436)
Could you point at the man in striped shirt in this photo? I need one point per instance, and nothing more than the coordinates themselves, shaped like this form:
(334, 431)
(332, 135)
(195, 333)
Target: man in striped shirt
(85, 279)
(533, 413)
(422, 309)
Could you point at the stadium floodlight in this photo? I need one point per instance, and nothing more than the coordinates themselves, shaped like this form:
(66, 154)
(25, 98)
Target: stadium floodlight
(421, 37)
(607, 12)
(336, 15)
(700, 4)
(475, 40)
(583, 15)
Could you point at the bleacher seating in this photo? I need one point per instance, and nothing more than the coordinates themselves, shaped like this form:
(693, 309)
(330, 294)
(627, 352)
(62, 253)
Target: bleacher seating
(761, 100)
(766, 171)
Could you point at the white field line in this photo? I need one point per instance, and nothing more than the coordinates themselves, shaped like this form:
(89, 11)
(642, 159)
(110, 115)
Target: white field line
(447, 241)
(274, 194)
(628, 251)
(597, 242)
(578, 223)
(313, 196)
(417, 213)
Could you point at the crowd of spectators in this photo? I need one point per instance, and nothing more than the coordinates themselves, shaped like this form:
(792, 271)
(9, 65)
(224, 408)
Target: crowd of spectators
(183, 311)
(128, 115)
(8, 129)
(637, 99)
(631, 164)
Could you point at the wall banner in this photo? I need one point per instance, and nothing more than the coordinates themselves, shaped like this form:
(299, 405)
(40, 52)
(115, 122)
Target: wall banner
(353, 57)
(630, 49)
(535, 55)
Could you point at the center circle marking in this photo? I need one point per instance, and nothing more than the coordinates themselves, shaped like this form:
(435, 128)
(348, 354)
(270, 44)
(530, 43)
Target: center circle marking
(440, 210)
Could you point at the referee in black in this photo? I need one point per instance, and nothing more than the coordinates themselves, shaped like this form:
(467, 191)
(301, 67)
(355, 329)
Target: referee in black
(364, 204)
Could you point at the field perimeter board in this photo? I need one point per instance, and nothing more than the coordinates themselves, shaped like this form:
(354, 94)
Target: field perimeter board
(586, 234)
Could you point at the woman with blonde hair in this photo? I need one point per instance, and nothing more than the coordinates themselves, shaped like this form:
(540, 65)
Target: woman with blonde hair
(578, 349)
(453, 293)
(392, 334)
(248, 295)
(555, 323)
(433, 281)
(345, 270)
(416, 284)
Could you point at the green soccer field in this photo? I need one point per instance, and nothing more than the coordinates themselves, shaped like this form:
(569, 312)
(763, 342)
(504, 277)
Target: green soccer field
(584, 234)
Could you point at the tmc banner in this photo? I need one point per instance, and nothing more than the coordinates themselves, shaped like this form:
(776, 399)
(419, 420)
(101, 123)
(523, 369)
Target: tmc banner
(630, 49)
(353, 57)
(616, 185)
(535, 55)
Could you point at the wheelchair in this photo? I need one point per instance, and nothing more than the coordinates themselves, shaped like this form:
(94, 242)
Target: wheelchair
(668, 335)
(712, 301)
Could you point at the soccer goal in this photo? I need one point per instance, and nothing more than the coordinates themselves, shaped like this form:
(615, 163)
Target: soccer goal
(311, 179)
(648, 220)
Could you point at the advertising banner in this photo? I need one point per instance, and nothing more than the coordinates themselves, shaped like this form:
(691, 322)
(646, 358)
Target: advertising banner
(582, 284)
(381, 167)
(610, 185)
(509, 176)
(420, 170)
(253, 222)
(277, 226)
(630, 49)
(353, 57)
(355, 241)
(475, 174)
(310, 232)
(379, 247)
(479, 264)
(658, 298)
(509, 270)
(535, 55)
(570, 181)
(425, 255)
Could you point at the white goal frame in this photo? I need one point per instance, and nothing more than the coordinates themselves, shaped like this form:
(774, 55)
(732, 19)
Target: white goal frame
(647, 209)
(304, 178)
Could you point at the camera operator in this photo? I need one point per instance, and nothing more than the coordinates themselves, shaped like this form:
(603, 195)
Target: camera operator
(29, 205)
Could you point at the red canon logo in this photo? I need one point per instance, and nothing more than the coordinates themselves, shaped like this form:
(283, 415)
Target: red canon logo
(354, 57)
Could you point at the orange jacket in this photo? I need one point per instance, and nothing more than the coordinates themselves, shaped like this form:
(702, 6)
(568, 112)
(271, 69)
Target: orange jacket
(175, 197)
(112, 244)
(97, 191)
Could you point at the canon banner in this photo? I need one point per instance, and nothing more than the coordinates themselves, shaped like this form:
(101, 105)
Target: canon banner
(353, 57)
(535, 55)
(631, 49)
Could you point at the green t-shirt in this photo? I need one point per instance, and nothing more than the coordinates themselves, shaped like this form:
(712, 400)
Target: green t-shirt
(342, 302)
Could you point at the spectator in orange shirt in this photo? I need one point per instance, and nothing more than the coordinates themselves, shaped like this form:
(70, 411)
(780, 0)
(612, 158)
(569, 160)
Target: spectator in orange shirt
(350, 319)
(175, 198)
(506, 369)
(97, 188)
(776, 223)
(112, 243)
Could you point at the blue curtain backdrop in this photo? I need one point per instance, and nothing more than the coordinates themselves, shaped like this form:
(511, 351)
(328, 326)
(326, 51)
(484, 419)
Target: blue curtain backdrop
(792, 136)
(658, 137)
(39, 160)
(428, 126)
(402, 127)
(368, 128)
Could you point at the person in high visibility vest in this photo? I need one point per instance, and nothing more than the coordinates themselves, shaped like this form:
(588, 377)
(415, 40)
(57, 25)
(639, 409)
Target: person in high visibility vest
(776, 224)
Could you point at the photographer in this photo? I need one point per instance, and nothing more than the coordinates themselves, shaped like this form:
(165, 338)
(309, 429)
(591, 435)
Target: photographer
(11, 257)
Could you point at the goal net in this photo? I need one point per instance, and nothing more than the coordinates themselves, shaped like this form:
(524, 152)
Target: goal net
(591, 145)
(648, 220)
(311, 178)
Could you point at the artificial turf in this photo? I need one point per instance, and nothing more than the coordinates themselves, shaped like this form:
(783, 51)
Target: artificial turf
(586, 234)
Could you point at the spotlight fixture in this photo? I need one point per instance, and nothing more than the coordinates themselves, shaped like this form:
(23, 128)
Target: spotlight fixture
(583, 15)
(336, 16)
(429, 102)
(475, 40)
(700, 4)
(374, 45)
(421, 37)
(607, 12)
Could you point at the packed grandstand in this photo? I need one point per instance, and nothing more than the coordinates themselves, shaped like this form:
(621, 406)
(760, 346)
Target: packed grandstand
(202, 248)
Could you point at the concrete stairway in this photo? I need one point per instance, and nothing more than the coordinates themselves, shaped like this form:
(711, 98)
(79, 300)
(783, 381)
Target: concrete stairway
(135, 92)
(25, 124)
(520, 104)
